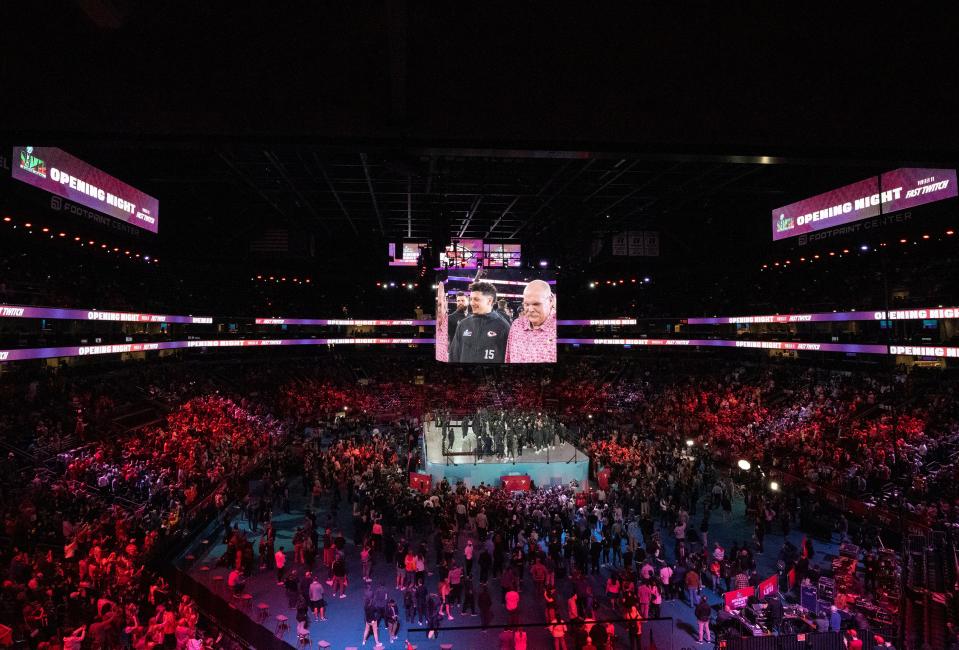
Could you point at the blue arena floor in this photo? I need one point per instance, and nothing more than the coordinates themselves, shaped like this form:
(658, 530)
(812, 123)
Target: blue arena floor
(344, 627)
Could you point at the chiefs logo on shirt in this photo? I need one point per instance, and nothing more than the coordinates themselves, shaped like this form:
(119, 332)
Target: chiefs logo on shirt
(467, 333)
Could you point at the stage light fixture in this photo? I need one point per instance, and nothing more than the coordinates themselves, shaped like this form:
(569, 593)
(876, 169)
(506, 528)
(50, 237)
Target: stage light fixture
(7, 219)
(950, 232)
(863, 248)
(28, 225)
(925, 236)
(45, 229)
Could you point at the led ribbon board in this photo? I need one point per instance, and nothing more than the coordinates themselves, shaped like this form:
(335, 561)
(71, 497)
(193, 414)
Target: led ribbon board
(21, 311)
(823, 317)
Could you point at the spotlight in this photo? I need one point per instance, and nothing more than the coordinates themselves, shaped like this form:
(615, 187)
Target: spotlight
(647, 280)
(45, 229)
(543, 263)
(863, 248)
(744, 465)
(948, 232)
(28, 225)
(7, 219)
(924, 236)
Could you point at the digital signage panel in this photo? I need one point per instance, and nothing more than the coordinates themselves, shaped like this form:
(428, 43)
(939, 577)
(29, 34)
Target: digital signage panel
(57, 172)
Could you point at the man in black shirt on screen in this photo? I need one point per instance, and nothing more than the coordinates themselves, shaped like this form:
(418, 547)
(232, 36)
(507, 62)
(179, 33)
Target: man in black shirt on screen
(480, 337)
(462, 302)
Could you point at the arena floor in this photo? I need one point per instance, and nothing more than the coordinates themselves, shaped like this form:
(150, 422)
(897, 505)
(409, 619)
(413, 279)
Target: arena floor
(344, 626)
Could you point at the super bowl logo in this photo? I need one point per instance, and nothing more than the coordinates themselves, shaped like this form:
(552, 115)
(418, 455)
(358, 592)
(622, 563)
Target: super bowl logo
(785, 223)
(31, 163)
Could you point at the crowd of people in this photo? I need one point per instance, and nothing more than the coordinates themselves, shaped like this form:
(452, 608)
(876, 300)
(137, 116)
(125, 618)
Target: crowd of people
(84, 530)
(83, 527)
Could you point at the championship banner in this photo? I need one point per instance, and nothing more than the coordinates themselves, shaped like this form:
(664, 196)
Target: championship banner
(738, 598)
(516, 482)
(421, 482)
(768, 587)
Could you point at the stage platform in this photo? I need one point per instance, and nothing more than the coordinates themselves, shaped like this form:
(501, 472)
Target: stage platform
(557, 464)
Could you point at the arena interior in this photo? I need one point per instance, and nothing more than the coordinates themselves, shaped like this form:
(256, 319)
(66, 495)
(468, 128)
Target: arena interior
(469, 327)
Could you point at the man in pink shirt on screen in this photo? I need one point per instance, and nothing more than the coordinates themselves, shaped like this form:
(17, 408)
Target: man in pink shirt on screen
(532, 337)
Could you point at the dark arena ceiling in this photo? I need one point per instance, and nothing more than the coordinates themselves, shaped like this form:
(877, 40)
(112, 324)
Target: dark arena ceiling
(356, 125)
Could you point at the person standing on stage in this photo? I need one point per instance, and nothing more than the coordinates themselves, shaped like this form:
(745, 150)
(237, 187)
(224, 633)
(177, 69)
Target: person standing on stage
(480, 337)
(532, 336)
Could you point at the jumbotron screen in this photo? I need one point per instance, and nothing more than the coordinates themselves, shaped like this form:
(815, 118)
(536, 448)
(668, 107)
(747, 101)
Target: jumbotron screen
(496, 316)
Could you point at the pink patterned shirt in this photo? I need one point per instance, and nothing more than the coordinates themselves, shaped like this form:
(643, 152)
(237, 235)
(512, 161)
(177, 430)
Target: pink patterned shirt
(528, 345)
